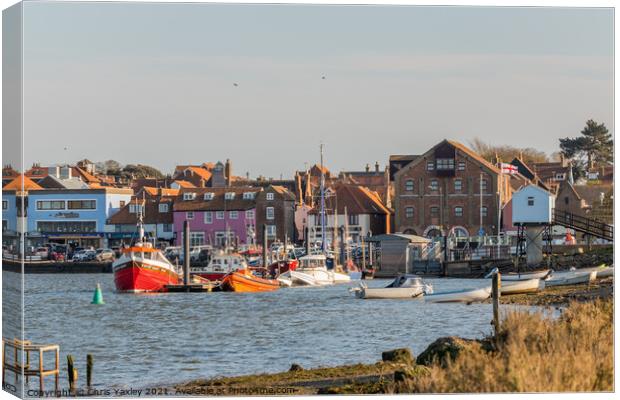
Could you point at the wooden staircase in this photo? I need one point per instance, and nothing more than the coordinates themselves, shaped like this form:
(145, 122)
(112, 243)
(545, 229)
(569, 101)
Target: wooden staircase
(583, 224)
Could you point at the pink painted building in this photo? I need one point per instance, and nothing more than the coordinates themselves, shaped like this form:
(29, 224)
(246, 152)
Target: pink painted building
(215, 213)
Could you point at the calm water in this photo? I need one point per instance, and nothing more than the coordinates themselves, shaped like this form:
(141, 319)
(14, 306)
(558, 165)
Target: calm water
(139, 340)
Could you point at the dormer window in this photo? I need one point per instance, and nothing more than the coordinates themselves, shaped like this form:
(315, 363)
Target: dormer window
(135, 208)
(163, 208)
(209, 196)
(189, 196)
(248, 195)
(269, 196)
(229, 195)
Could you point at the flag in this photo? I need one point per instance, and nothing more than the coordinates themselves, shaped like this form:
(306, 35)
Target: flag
(508, 168)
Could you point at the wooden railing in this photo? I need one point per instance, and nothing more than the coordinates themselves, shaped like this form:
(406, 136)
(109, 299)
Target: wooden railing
(583, 224)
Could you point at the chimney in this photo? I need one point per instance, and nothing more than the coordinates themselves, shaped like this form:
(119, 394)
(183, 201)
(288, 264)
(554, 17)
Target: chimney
(376, 166)
(562, 159)
(228, 172)
(367, 167)
(54, 171)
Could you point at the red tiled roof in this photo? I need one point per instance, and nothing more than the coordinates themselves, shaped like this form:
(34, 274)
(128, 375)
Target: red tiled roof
(153, 191)
(16, 184)
(151, 213)
(356, 199)
(184, 184)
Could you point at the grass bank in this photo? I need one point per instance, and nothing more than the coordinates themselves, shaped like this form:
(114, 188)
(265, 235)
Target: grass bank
(530, 353)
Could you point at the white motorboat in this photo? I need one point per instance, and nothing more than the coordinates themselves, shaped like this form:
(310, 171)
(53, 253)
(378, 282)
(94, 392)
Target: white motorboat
(297, 278)
(519, 287)
(460, 296)
(571, 278)
(315, 266)
(285, 281)
(403, 287)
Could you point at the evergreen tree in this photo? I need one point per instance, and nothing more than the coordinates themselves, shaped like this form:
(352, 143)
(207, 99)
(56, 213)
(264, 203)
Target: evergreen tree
(594, 146)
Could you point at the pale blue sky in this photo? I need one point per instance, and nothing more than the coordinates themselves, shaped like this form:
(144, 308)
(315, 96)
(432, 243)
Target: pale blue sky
(153, 83)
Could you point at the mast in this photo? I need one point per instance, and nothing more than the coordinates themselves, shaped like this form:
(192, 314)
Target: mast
(322, 204)
(140, 224)
(346, 235)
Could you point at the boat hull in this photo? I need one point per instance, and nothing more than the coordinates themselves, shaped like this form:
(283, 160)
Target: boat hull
(242, 281)
(461, 296)
(521, 287)
(137, 277)
(390, 293)
(212, 276)
(572, 279)
(526, 276)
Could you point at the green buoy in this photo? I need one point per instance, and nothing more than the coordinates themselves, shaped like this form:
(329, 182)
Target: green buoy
(97, 297)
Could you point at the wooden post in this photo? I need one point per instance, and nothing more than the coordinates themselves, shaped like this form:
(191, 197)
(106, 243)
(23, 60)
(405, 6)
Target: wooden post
(71, 372)
(307, 237)
(363, 255)
(265, 242)
(186, 252)
(89, 369)
(497, 283)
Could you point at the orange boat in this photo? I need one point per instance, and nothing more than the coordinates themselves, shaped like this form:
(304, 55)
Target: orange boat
(244, 281)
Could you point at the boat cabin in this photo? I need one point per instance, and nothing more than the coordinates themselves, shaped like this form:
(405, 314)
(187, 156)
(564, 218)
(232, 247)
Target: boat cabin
(145, 251)
(226, 262)
(312, 261)
(406, 281)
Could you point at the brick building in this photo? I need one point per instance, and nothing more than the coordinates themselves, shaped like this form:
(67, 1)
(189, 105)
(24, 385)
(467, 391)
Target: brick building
(275, 207)
(450, 189)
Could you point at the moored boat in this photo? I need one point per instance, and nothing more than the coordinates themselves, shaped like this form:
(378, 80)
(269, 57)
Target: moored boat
(403, 287)
(143, 268)
(219, 266)
(525, 276)
(460, 296)
(297, 278)
(244, 281)
(571, 278)
(520, 287)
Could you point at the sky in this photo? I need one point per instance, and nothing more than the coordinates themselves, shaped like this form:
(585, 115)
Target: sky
(154, 83)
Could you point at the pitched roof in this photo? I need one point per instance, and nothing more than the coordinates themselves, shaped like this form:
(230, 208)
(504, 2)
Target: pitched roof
(184, 184)
(473, 155)
(218, 203)
(154, 191)
(52, 182)
(16, 184)
(86, 177)
(591, 193)
(151, 213)
(356, 199)
(282, 191)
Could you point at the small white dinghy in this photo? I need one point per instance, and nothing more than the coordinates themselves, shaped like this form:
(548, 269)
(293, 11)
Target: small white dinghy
(403, 287)
(571, 278)
(297, 279)
(460, 296)
(519, 287)
(524, 276)
(602, 271)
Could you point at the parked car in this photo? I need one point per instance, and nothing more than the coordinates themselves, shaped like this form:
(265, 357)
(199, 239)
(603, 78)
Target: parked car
(105, 255)
(42, 252)
(84, 255)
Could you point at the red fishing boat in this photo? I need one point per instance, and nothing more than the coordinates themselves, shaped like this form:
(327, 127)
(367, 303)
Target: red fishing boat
(244, 281)
(142, 268)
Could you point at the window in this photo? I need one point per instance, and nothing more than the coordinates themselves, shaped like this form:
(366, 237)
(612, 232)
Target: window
(189, 215)
(167, 227)
(560, 177)
(269, 196)
(445, 163)
(233, 214)
(530, 201)
(81, 204)
(229, 195)
(484, 211)
(461, 165)
(67, 226)
(409, 212)
(409, 185)
(458, 185)
(354, 219)
(208, 217)
(163, 207)
(219, 215)
(566, 200)
(122, 203)
(209, 196)
(196, 238)
(189, 196)
(270, 213)
(248, 195)
(47, 205)
(135, 208)
(434, 211)
(430, 166)
(5, 204)
(458, 211)
(249, 214)
(483, 183)
(271, 231)
(434, 184)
